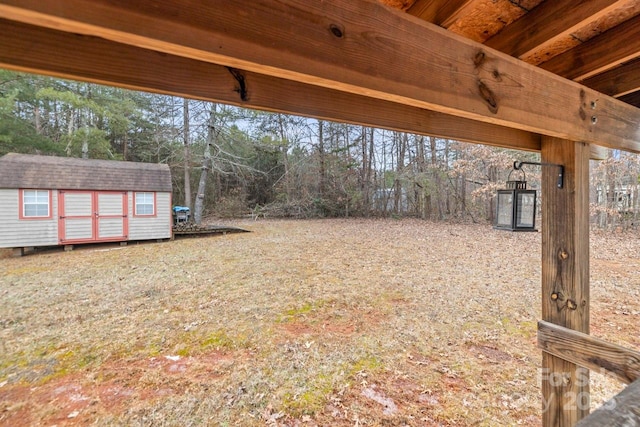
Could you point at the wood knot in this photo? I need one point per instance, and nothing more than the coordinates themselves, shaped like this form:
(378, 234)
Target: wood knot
(337, 30)
(582, 114)
(571, 304)
(479, 58)
(488, 97)
(242, 83)
(563, 255)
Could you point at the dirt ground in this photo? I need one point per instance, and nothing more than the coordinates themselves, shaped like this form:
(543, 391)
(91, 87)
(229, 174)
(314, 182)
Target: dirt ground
(299, 323)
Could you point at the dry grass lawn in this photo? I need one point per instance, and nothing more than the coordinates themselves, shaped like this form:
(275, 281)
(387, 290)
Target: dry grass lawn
(323, 322)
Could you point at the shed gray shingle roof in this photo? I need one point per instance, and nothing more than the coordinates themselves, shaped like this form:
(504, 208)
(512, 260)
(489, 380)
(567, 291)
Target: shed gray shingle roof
(65, 173)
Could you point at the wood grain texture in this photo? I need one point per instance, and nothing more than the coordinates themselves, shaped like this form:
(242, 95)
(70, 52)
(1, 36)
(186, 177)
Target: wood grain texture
(623, 410)
(550, 21)
(589, 352)
(348, 46)
(35, 49)
(601, 53)
(565, 274)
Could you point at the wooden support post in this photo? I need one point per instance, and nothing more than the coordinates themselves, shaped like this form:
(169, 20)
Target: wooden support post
(565, 276)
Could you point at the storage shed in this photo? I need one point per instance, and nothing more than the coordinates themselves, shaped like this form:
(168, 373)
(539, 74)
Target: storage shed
(48, 201)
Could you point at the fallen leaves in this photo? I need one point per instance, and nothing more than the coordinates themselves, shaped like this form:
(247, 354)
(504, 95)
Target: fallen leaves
(320, 322)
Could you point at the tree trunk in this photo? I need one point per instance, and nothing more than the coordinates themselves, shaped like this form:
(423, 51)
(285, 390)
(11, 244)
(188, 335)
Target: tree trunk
(422, 195)
(85, 143)
(436, 175)
(370, 164)
(493, 177)
(285, 157)
(37, 119)
(446, 163)
(187, 153)
(321, 184)
(611, 193)
(125, 148)
(198, 208)
(364, 184)
(463, 195)
(398, 202)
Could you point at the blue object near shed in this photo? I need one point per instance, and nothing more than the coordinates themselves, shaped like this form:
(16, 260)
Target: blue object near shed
(181, 214)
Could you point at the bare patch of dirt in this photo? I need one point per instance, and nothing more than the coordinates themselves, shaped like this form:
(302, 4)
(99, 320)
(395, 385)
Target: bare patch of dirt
(491, 353)
(112, 388)
(320, 322)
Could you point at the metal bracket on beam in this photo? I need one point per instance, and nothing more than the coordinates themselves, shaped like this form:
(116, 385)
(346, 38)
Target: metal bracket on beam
(518, 165)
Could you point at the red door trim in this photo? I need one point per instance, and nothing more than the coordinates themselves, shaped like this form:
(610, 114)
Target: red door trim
(95, 218)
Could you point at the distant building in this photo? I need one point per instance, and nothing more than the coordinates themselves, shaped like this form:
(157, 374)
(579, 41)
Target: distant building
(48, 201)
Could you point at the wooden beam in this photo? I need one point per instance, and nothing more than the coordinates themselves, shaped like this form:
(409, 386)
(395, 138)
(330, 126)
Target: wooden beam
(565, 275)
(442, 12)
(589, 352)
(598, 153)
(547, 23)
(618, 81)
(347, 45)
(599, 54)
(35, 49)
(622, 410)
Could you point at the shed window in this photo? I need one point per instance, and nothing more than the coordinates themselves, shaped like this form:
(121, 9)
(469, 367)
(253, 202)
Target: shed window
(145, 204)
(36, 204)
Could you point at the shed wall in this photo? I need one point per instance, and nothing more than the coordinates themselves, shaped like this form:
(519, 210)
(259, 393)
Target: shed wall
(15, 232)
(155, 227)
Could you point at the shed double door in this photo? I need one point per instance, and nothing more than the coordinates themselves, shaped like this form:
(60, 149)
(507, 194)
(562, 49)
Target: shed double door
(92, 216)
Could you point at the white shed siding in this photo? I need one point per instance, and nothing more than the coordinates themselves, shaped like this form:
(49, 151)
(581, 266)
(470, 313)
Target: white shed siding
(77, 204)
(110, 215)
(78, 215)
(78, 229)
(110, 227)
(155, 227)
(110, 203)
(17, 233)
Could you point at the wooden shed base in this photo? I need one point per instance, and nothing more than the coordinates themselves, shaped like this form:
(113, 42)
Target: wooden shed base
(204, 231)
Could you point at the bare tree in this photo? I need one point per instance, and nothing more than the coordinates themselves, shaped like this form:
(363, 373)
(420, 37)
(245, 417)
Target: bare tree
(187, 153)
(212, 136)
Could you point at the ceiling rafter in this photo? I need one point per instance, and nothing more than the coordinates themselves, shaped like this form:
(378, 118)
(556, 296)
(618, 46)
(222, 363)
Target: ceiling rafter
(548, 22)
(631, 98)
(441, 12)
(618, 81)
(601, 53)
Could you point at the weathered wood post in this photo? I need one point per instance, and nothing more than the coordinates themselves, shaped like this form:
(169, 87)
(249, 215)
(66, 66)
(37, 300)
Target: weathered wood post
(565, 275)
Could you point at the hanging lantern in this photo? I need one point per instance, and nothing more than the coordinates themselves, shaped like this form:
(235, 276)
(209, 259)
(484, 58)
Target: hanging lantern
(516, 206)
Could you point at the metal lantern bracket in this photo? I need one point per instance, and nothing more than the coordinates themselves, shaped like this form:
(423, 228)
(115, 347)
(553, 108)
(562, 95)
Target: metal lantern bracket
(518, 166)
(517, 184)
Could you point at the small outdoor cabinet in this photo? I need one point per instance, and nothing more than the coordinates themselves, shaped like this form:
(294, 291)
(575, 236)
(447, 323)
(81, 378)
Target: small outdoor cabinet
(516, 207)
